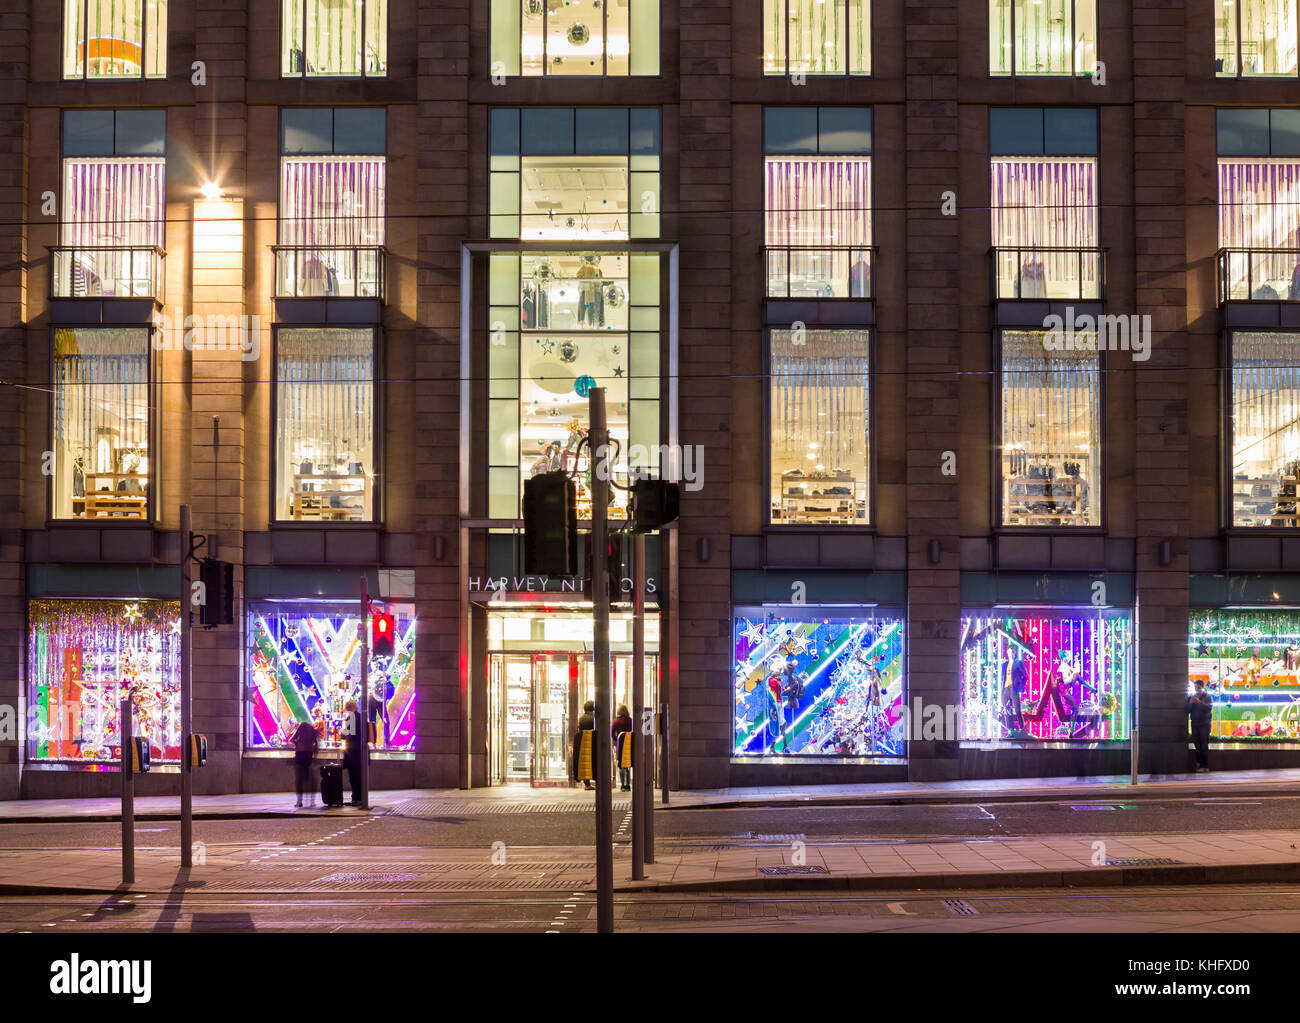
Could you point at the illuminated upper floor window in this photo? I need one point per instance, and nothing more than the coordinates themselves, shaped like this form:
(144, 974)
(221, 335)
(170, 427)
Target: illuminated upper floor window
(817, 37)
(1254, 38)
(613, 38)
(334, 38)
(1042, 37)
(114, 38)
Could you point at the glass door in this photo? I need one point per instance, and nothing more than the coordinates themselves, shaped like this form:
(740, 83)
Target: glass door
(496, 702)
(516, 711)
(550, 732)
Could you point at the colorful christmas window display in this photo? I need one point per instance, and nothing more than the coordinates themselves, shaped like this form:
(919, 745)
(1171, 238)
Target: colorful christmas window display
(84, 657)
(1250, 663)
(809, 684)
(1046, 675)
(305, 664)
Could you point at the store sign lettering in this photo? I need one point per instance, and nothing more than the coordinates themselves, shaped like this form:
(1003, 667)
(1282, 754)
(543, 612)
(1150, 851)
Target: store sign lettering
(545, 584)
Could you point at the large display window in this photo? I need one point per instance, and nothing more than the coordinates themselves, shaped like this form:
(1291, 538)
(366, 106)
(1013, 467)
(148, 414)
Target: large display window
(817, 37)
(334, 38)
(114, 38)
(1255, 38)
(1264, 424)
(615, 38)
(1042, 37)
(1250, 664)
(818, 682)
(83, 658)
(305, 664)
(1046, 674)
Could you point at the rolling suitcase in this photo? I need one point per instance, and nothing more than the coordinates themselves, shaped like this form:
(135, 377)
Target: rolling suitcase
(331, 784)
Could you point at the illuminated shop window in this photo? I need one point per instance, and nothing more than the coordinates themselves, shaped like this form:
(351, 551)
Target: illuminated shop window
(817, 37)
(563, 323)
(1042, 37)
(114, 38)
(614, 38)
(1047, 675)
(1265, 427)
(1250, 664)
(565, 174)
(1044, 203)
(305, 665)
(1259, 204)
(333, 180)
(1254, 38)
(334, 38)
(1051, 431)
(818, 202)
(83, 658)
(113, 209)
(325, 424)
(819, 408)
(101, 423)
(823, 682)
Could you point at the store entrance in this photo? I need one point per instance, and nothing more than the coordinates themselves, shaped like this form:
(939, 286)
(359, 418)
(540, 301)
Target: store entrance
(535, 701)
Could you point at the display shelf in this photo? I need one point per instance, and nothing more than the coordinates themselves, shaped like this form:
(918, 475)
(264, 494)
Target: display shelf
(1064, 496)
(330, 496)
(822, 497)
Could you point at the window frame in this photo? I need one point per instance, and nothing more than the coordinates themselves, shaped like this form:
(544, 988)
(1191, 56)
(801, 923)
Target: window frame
(153, 431)
(867, 525)
(1227, 433)
(85, 71)
(604, 51)
(376, 517)
(303, 75)
(785, 37)
(1100, 499)
(1074, 72)
(1236, 53)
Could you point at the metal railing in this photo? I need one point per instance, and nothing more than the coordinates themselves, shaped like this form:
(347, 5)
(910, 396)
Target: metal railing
(828, 271)
(1259, 275)
(330, 271)
(1037, 272)
(107, 271)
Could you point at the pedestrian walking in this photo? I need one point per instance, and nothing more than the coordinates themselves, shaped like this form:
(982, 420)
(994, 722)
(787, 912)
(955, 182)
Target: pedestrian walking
(305, 740)
(621, 732)
(1200, 708)
(584, 746)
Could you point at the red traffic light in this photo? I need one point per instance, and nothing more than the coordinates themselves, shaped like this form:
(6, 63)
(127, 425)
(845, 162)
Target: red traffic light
(382, 630)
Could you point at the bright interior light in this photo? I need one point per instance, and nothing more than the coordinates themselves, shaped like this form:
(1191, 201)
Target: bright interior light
(211, 190)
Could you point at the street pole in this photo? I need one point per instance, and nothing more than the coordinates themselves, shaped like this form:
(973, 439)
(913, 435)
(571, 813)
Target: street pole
(640, 762)
(663, 750)
(187, 686)
(126, 734)
(601, 468)
(363, 705)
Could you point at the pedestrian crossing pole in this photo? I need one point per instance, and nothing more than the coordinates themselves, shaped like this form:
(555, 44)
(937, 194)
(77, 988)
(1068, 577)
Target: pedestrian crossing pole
(363, 705)
(187, 687)
(637, 737)
(601, 469)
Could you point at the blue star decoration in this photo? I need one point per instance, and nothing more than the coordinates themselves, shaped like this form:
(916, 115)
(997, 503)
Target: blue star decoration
(618, 371)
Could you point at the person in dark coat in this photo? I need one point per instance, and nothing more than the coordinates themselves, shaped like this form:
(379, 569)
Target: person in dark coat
(583, 766)
(621, 731)
(1013, 696)
(352, 748)
(304, 740)
(1200, 708)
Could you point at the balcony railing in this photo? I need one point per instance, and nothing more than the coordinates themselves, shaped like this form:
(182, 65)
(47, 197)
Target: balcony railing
(338, 271)
(1049, 273)
(1259, 275)
(833, 271)
(107, 271)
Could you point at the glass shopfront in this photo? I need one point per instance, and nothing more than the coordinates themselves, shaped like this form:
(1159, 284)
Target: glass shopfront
(540, 674)
(1249, 661)
(304, 662)
(83, 658)
(818, 682)
(1046, 674)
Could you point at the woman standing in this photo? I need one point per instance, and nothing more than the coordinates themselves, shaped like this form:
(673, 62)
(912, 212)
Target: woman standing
(621, 732)
(584, 746)
(305, 741)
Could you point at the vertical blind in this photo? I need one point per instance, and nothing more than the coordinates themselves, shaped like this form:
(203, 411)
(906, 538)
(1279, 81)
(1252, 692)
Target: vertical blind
(101, 405)
(1048, 203)
(1259, 204)
(1265, 403)
(1047, 37)
(335, 37)
(818, 201)
(113, 201)
(818, 37)
(332, 201)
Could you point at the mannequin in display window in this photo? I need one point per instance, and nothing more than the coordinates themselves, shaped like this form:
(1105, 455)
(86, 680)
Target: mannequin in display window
(1057, 691)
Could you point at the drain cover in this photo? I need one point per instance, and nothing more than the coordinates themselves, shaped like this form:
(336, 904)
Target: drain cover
(1150, 861)
(960, 907)
(346, 878)
(793, 870)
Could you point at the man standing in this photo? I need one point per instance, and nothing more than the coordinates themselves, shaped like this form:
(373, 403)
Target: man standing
(1200, 707)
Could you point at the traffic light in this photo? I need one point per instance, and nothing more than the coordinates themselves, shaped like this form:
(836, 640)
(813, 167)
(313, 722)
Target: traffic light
(550, 525)
(218, 606)
(139, 755)
(655, 503)
(382, 629)
(198, 750)
(615, 564)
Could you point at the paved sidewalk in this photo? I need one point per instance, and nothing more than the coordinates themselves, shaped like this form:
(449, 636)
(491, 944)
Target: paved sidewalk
(330, 866)
(500, 798)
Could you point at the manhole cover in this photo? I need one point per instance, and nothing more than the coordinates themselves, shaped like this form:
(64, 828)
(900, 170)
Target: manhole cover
(960, 907)
(346, 878)
(1149, 861)
(793, 870)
